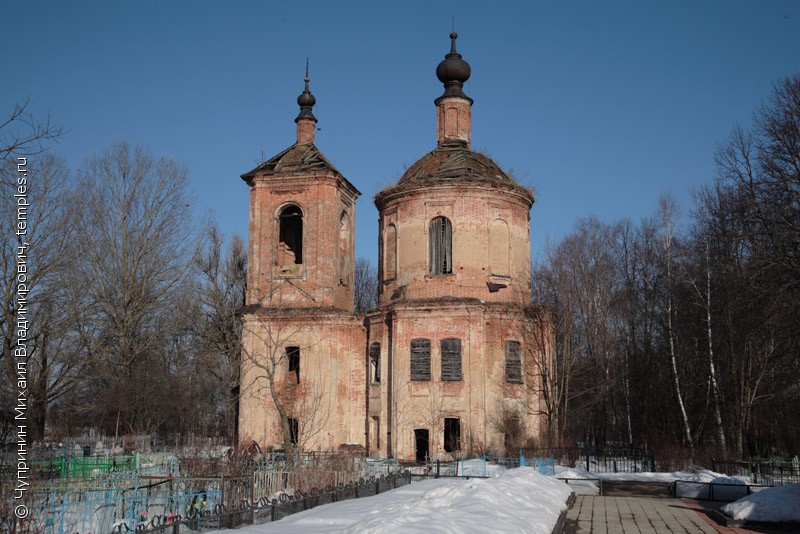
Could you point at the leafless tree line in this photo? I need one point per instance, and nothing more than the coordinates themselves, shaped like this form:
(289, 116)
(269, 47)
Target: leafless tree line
(687, 329)
(133, 325)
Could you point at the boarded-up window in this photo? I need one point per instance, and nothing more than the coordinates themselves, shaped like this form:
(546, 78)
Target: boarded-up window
(375, 361)
(440, 246)
(513, 362)
(291, 236)
(499, 248)
(451, 359)
(420, 359)
(390, 254)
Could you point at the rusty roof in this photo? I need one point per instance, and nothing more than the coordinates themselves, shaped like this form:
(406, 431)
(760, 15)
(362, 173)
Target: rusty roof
(295, 159)
(457, 165)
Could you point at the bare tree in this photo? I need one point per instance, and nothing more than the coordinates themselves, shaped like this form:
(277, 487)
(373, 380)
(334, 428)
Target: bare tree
(754, 337)
(579, 284)
(46, 245)
(365, 285)
(21, 134)
(43, 181)
(271, 369)
(702, 290)
(542, 379)
(134, 258)
(668, 214)
(221, 289)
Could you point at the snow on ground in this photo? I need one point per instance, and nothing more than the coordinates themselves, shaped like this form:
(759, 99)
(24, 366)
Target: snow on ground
(699, 475)
(479, 467)
(781, 503)
(518, 500)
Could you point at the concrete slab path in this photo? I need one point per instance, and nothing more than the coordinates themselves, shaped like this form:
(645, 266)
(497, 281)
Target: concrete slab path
(639, 515)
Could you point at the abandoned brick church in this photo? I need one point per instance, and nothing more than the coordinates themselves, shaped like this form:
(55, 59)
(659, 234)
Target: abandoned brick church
(447, 363)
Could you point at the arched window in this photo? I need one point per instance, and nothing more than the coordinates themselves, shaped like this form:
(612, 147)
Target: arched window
(440, 246)
(290, 247)
(390, 253)
(499, 248)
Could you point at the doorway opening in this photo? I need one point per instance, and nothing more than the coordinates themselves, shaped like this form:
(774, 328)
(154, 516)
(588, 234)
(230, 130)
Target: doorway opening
(421, 444)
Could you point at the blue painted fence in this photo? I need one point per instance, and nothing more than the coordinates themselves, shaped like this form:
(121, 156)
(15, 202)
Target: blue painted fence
(488, 466)
(105, 511)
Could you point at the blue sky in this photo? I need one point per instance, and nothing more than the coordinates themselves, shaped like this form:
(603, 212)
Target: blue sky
(598, 106)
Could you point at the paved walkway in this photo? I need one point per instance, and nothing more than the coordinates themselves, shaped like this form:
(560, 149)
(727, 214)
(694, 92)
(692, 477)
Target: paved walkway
(631, 515)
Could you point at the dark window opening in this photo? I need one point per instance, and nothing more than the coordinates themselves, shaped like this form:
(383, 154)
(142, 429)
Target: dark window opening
(293, 355)
(376, 431)
(420, 359)
(375, 361)
(452, 434)
(513, 362)
(291, 233)
(440, 246)
(421, 445)
(451, 359)
(294, 430)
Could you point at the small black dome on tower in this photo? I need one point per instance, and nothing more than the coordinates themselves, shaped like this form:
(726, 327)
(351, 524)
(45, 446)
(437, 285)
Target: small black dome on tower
(306, 98)
(453, 72)
(306, 101)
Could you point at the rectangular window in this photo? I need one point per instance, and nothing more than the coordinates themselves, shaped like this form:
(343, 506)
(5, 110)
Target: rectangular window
(440, 246)
(451, 359)
(375, 361)
(452, 434)
(376, 432)
(420, 359)
(294, 430)
(513, 363)
(293, 355)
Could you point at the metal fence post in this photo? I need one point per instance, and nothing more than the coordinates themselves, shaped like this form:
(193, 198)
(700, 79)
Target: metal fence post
(222, 488)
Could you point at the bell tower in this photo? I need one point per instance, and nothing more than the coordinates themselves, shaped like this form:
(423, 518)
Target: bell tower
(302, 374)
(302, 222)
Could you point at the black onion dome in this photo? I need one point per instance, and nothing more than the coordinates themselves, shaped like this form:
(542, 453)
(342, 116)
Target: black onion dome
(306, 98)
(306, 101)
(453, 71)
(453, 67)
